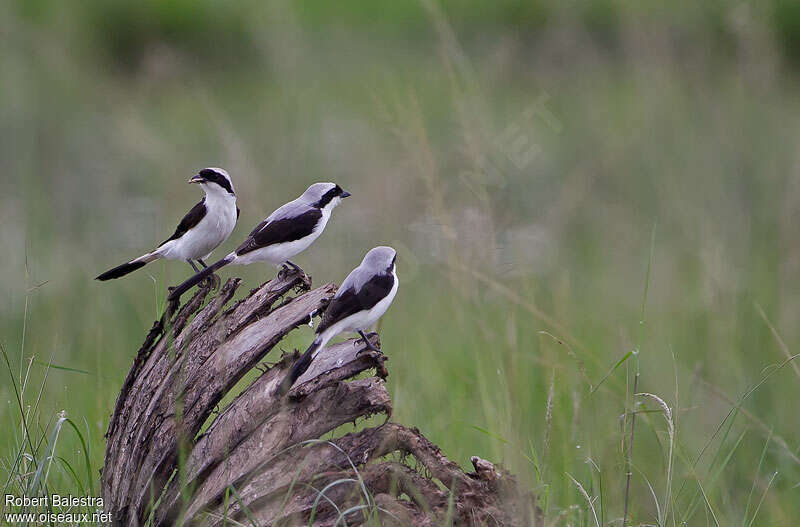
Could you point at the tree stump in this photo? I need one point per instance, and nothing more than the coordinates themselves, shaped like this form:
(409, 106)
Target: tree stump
(173, 458)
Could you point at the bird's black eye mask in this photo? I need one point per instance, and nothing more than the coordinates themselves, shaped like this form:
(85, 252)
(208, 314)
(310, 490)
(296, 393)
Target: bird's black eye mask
(213, 176)
(328, 196)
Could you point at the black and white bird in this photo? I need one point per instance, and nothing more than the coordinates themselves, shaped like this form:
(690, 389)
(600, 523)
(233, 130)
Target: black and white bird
(203, 229)
(360, 301)
(287, 232)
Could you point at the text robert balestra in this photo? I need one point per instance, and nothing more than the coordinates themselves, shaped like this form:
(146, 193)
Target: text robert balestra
(54, 500)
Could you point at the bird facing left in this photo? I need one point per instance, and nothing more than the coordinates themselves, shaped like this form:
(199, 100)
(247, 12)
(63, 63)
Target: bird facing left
(203, 229)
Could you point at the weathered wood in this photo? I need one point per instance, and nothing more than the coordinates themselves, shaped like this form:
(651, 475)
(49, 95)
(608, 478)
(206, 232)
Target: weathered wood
(260, 457)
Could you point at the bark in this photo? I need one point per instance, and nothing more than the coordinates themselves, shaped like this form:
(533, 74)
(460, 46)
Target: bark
(173, 458)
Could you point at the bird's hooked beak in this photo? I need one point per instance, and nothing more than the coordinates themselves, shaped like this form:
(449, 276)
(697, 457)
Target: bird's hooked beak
(197, 179)
(344, 194)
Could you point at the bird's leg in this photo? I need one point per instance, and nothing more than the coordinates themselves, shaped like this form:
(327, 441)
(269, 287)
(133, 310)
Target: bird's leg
(294, 266)
(196, 270)
(282, 270)
(367, 342)
(214, 279)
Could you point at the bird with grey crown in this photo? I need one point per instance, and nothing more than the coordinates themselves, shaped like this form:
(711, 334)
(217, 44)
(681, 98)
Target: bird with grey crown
(360, 301)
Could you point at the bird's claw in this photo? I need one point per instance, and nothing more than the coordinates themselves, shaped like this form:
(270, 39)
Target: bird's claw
(212, 282)
(368, 347)
(368, 344)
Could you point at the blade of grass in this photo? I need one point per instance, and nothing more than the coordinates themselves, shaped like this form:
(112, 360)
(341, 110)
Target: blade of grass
(488, 433)
(709, 508)
(85, 449)
(652, 492)
(600, 488)
(71, 472)
(244, 508)
(629, 471)
(62, 368)
(735, 409)
(343, 514)
(716, 474)
(755, 479)
(781, 344)
(586, 497)
(40, 478)
(322, 493)
(761, 501)
(18, 399)
(619, 363)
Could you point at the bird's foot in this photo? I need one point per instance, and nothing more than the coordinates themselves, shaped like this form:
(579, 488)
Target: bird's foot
(212, 282)
(368, 344)
(295, 267)
(369, 347)
(291, 267)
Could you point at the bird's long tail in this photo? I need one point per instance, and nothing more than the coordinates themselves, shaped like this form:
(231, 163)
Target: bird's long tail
(128, 267)
(300, 366)
(199, 277)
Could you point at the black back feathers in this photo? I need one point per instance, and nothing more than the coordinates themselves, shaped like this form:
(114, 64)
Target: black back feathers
(192, 218)
(281, 230)
(351, 300)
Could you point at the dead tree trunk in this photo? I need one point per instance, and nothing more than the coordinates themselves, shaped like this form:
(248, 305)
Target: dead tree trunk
(173, 458)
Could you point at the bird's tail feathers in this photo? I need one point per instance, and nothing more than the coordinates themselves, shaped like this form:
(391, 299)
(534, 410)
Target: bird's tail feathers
(128, 267)
(147, 258)
(300, 366)
(176, 293)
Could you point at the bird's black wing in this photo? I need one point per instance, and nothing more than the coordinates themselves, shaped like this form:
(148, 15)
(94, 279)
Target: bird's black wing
(282, 230)
(351, 300)
(191, 219)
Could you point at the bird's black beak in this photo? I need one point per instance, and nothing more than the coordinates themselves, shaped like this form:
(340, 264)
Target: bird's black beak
(344, 194)
(197, 179)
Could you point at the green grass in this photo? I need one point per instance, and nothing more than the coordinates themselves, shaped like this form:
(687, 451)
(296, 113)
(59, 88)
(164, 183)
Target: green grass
(524, 236)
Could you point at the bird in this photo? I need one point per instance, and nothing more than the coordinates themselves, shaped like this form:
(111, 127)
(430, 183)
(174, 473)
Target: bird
(285, 233)
(360, 301)
(203, 229)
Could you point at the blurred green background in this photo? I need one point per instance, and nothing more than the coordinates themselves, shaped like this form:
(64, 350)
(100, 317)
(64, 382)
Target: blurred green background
(521, 155)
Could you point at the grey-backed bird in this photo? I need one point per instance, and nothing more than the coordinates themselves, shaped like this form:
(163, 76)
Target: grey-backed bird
(360, 301)
(285, 233)
(203, 229)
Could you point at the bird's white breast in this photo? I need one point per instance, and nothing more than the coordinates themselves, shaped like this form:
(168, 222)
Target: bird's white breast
(215, 227)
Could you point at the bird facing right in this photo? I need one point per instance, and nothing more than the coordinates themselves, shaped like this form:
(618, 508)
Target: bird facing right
(361, 300)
